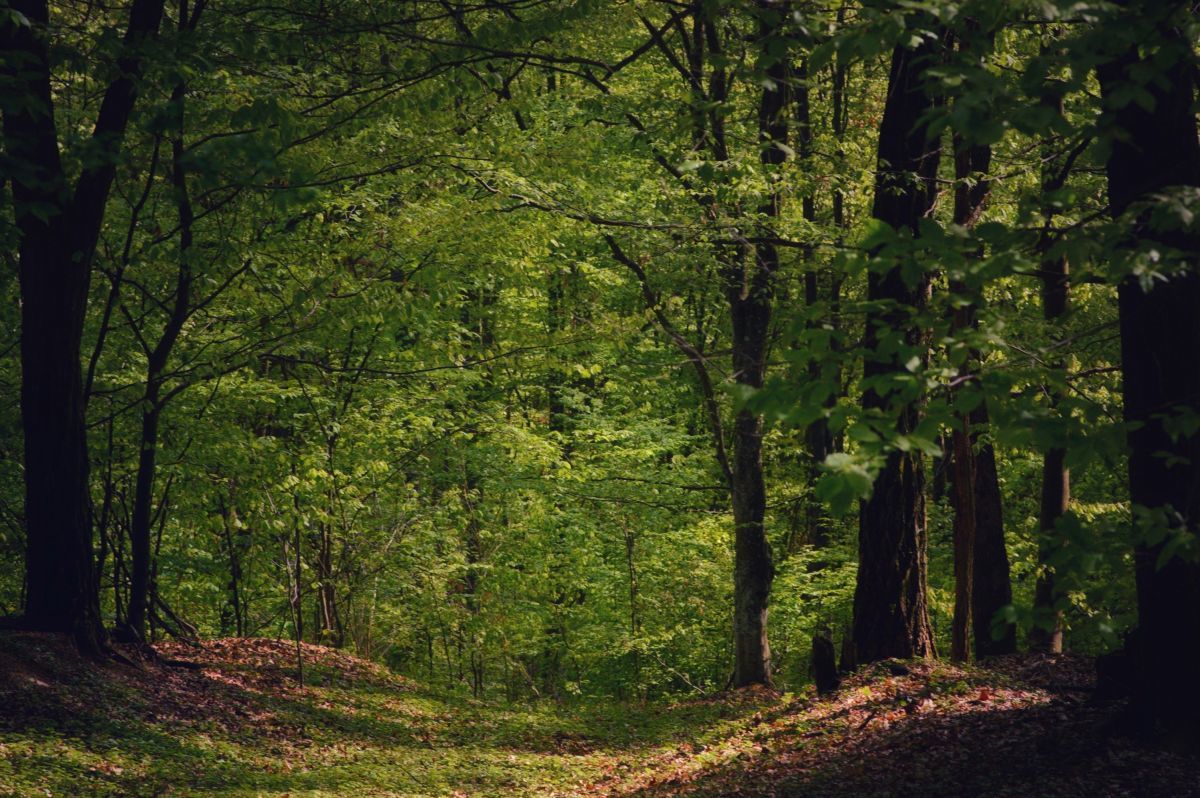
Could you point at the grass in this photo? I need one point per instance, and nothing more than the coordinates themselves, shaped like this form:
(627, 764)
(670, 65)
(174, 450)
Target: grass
(241, 727)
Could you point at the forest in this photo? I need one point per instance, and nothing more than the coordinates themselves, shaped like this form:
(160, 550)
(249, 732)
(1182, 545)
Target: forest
(548, 397)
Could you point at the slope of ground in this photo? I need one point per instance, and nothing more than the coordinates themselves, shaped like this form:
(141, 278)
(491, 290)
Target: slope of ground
(239, 725)
(1027, 727)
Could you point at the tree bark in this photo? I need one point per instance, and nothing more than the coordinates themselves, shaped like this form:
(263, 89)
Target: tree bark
(992, 577)
(891, 617)
(58, 228)
(750, 292)
(964, 541)
(1160, 360)
(982, 582)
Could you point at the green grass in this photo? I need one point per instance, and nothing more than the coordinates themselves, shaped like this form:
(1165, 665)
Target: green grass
(245, 730)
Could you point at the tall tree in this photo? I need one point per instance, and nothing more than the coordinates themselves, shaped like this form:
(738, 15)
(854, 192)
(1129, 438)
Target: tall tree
(982, 581)
(140, 588)
(891, 616)
(1149, 90)
(58, 225)
(749, 291)
(747, 274)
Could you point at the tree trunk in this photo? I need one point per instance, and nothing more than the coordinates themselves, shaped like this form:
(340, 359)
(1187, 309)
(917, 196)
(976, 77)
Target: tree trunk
(753, 567)
(982, 583)
(472, 499)
(228, 524)
(329, 620)
(56, 246)
(152, 403)
(964, 541)
(749, 291)
(1160, 358)
(993, 582)
(818, 437)
(1047, 632)
(139, 529)
(891, 617)
(62, 593)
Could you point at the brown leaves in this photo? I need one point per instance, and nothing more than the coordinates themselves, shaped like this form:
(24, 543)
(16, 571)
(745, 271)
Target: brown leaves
(924, 729)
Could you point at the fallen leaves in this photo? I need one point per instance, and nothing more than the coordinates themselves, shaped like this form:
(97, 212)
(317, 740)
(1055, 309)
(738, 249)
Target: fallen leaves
(928, 729)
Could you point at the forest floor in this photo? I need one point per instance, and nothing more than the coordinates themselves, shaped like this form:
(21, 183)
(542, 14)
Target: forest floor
(239, 725)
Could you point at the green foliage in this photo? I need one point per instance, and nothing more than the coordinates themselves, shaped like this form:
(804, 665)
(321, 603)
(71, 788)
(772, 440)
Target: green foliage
(411, 351)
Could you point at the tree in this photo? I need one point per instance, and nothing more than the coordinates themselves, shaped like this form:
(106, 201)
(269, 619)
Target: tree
(59, 224)
(891, 616)
(982, 584)
(1153, 170)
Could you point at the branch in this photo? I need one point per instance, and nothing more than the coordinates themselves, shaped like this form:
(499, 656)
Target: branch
(697, 358)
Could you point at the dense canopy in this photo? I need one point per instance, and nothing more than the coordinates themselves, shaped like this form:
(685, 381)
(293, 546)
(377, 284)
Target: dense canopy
(609, 349)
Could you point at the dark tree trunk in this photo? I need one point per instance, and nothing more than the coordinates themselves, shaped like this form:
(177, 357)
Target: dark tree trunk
(982, 582)
(62, 594)
(993, 582)
(753, 569)
(233, 545)
(56, 248)
(891, 617)
(1047, 632)
(472, 499)
(971, 163)
(1160, 357)
(329, 629)
(964, 541)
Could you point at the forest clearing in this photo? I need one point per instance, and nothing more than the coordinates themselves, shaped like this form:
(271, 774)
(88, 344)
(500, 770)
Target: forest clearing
(600, 397)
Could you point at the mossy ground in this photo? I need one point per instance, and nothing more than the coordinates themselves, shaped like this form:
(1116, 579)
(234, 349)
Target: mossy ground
(240, 725)
(243, 727)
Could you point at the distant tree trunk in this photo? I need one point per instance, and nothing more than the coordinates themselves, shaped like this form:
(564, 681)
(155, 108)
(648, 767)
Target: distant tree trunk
(748, 289)
(824, 662)
(635, 620)
(982, 581)
(329, 626)
(818, 437)
(1160, 359)
(891, 617)
(964, 541)
(472, 498)
(153, 400)
(753, 569)
(1047, 632)
(139, 529)
(229, 524)
(55, 250)
(296, 600)
(993, 581)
